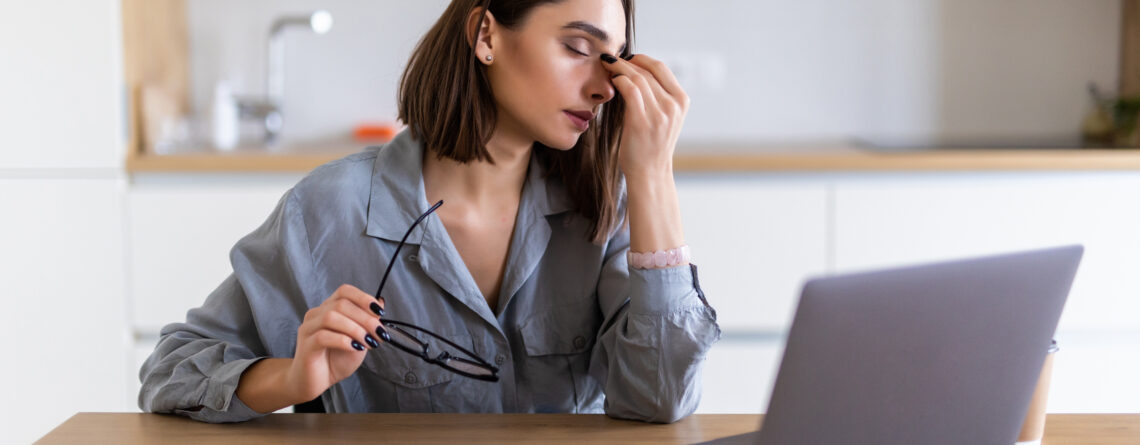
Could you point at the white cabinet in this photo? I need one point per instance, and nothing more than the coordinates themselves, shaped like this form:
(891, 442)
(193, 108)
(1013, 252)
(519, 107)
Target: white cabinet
(754, 238)
(897, 219)
(61, 80)
(890, 220)
(181, 231)
(65, 330)
(739, 373)
(1095, 372)
(878, 220)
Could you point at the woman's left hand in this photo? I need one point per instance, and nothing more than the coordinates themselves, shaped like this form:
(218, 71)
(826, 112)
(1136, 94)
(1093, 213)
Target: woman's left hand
(655, 108)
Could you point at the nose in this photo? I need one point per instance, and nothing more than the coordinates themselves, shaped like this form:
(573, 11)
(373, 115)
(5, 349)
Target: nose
(600, 89)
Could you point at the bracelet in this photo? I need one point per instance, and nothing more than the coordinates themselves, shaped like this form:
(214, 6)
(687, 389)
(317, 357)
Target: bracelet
(659, 259)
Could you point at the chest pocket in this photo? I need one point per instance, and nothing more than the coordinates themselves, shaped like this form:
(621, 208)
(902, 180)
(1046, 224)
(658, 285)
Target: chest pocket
(414, 386)
(558, 346)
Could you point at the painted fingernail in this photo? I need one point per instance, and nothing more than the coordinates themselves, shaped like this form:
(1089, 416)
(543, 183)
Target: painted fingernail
(376, 308)
(608, 58)
(383, 334)
(357, 346)
(629, 57)
(371, 341)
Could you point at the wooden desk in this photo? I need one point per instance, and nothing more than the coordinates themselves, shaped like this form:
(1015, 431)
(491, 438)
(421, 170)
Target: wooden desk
(451, 429)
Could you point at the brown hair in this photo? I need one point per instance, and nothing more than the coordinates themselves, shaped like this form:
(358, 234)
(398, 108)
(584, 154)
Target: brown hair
(445, 98)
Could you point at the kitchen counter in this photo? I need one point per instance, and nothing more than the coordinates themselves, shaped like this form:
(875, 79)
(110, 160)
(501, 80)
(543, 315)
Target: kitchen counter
(706, 158)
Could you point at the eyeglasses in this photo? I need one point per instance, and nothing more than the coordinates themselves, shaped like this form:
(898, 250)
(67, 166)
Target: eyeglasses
(422, 343)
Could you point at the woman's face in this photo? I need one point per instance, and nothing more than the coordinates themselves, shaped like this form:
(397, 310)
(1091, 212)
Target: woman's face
(548, 69)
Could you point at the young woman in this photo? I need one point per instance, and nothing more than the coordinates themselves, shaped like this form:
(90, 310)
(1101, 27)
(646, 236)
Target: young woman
(554, 279)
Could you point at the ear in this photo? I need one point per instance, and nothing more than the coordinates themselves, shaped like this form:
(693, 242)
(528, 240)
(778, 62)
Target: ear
(480, 34)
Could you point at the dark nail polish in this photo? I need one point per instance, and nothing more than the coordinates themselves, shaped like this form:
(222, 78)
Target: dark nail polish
(629, 57)
(383, 334)
(357, 346)
(371, 341)
(376, 308)
(608, 58)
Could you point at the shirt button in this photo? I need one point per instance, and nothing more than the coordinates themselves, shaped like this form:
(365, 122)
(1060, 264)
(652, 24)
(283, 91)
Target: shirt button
(413, 257)
(579, 342)
(410, 378)
(499, 359)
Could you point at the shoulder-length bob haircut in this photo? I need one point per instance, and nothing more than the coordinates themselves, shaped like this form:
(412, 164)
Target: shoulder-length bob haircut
(446, 100)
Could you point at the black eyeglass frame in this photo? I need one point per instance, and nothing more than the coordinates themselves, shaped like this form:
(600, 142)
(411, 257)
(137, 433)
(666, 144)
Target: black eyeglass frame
(423, 353)
(444, 357)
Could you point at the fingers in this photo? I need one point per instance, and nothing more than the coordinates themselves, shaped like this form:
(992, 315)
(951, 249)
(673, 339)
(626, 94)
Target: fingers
(352, 326)
(325, 318)
(664, 76)
(347, 314)
(654, 96)
(326, 339)
(631, 93)
(631, 82)
(360, 298)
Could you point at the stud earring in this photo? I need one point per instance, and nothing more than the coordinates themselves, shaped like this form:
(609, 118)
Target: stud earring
(489, 57)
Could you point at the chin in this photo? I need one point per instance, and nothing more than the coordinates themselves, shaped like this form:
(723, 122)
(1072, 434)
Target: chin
(561, 142)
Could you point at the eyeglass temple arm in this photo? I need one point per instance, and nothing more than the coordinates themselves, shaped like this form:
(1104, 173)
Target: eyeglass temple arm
(401, 245)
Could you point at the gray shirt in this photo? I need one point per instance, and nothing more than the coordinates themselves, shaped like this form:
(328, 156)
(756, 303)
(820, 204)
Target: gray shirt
(576, 329)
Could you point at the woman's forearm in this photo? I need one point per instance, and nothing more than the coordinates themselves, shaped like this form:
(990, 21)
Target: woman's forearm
(263, 386)
(654, 211)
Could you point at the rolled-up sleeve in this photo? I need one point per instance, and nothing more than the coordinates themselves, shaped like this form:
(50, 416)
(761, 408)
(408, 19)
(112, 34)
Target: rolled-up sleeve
(658, 328)
(196, 366)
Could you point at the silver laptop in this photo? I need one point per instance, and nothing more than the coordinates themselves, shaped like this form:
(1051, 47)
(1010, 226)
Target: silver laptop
(944, 353)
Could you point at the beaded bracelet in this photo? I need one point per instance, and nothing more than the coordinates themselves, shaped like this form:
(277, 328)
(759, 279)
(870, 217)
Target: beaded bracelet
(659, 259)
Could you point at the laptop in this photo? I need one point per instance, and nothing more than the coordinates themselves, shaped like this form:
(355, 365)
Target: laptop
(942, 353)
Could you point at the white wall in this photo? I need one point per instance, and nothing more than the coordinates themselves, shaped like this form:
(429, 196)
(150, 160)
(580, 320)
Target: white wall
(63, 330)
(908, 71)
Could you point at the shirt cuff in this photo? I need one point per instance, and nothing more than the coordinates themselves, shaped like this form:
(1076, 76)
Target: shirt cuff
(656, 291)
(221, 403)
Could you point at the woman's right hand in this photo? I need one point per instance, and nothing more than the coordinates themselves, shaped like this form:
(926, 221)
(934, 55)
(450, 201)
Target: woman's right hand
(332, 341)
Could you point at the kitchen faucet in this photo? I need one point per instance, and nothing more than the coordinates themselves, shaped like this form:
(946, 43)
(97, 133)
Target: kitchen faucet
(267, 110)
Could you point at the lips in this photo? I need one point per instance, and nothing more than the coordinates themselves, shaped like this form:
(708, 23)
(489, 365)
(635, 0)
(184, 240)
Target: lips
(581, 119)
(584, 115)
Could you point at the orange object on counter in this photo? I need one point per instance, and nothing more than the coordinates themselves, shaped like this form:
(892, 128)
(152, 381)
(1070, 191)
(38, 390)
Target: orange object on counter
(374, 132)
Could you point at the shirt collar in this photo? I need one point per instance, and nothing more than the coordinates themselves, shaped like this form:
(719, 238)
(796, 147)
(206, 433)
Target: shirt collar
(397, 195)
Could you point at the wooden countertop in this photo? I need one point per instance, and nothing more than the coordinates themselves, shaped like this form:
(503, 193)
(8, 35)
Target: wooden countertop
(710, 158)
(276, 429)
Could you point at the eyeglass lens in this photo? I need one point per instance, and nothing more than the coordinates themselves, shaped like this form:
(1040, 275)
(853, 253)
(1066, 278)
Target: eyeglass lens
(447, 355)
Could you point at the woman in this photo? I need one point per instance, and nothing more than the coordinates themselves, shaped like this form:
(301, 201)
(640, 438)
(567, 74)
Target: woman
(554, 278)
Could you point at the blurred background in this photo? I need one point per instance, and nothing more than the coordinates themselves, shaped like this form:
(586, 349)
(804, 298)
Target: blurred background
(143, 138)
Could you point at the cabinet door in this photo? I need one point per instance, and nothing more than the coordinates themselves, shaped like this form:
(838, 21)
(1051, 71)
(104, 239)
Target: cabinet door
(64, 328)
(899, 219)
(181, 233)
(62, 101)
(754, 239)
(738, 374)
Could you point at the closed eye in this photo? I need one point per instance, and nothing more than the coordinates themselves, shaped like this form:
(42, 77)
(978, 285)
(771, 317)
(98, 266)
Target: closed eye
(575, 51)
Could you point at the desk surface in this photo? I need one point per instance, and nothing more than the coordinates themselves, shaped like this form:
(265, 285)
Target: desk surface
(422, 429)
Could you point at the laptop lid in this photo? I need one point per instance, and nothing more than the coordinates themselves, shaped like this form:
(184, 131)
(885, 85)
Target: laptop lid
(944, 353)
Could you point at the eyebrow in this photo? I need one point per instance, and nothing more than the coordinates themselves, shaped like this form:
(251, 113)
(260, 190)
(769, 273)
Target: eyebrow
(591, 30)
